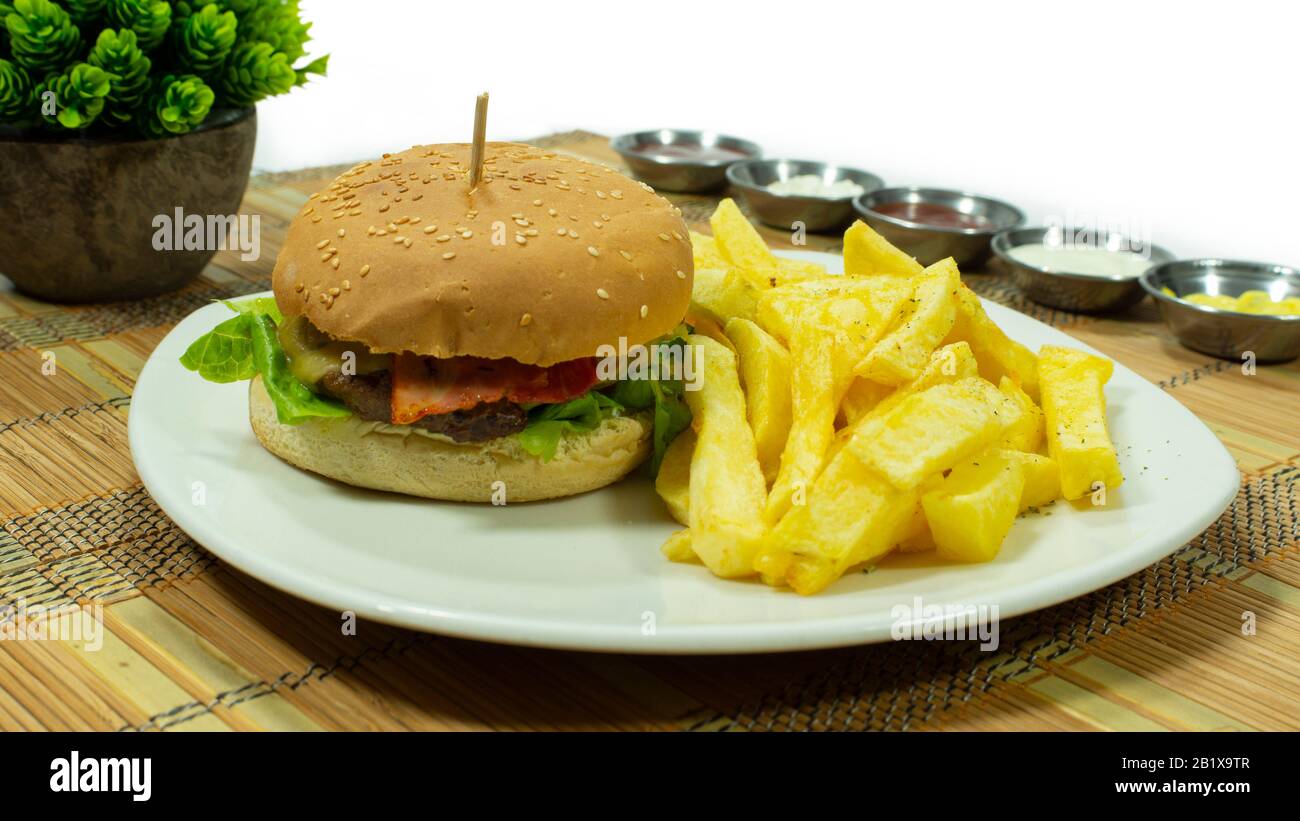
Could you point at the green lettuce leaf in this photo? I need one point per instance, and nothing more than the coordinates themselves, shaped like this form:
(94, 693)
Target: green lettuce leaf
(246, 345)
(295, 403)
(547, 423)
(671, 415)
(225, 353)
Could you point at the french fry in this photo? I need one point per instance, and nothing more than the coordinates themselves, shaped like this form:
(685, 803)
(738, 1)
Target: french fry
(765, 374)
(862, 397)
(825, 344)
(1024, 431)
(741, 245)
(706, 253)
(677, 548)
(930, 431)
(866, 252)
(780, 308)
(970, 513)
(673, 484)
(997, 354)
(726, 483)
(915, 536)
(723, 293)
(899, 357)
(789, 271)
(1042, 478)
(852, 515)
(1074, 404)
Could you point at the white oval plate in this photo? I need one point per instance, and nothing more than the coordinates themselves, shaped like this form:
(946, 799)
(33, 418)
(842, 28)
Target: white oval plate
(586, 572)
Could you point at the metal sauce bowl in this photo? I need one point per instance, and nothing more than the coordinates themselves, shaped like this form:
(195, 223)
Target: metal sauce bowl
(1227, 334)
(784, 210)
(682, 174)
(931, 243)
(1085, 293)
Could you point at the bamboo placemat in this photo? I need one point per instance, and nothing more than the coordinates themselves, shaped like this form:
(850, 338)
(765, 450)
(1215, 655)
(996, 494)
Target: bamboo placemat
(191, 644)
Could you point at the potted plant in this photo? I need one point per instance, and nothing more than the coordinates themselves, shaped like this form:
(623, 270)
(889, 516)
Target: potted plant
(126, 136)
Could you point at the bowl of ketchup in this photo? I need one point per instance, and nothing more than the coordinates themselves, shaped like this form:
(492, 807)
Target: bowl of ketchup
(673, 159)
(934, 223)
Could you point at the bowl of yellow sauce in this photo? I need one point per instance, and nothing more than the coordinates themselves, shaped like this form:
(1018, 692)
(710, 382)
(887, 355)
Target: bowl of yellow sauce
(1247, 311)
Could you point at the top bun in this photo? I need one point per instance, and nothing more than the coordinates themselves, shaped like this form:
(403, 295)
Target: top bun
(550, 258)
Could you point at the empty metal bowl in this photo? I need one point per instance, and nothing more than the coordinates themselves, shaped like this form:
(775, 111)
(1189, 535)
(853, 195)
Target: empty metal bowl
(1227, 334)
(931, 243)
(1085, 293)
(687, 161)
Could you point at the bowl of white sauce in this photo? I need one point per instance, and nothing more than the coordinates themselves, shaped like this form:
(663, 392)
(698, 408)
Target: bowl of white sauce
(801, 194)
(1078, 269)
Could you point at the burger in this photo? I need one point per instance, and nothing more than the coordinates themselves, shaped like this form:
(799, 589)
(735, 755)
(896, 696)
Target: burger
(443, 339)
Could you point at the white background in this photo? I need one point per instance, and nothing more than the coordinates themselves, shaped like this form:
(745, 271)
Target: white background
(1176, 118)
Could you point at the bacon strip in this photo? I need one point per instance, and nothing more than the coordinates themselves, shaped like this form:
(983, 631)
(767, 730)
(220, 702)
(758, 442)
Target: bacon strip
(424, 386)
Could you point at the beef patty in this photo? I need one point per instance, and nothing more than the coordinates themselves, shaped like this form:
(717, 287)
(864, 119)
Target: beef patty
(369, 397)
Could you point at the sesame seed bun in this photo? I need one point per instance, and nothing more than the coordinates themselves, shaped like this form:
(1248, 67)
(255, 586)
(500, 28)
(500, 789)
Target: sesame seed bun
(550, 258)
(388, 458)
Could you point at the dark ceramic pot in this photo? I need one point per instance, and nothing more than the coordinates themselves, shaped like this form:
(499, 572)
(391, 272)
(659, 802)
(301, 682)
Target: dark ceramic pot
(78, 217)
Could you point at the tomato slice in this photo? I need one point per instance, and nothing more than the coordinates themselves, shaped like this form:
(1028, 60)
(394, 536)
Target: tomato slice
(423, 386)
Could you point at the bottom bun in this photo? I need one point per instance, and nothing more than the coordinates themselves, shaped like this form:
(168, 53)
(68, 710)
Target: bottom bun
(397, 458)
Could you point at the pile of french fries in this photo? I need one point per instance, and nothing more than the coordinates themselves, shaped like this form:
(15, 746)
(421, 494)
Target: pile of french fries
(844, 417)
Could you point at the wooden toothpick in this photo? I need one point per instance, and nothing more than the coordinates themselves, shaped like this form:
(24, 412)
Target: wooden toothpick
(480, 135)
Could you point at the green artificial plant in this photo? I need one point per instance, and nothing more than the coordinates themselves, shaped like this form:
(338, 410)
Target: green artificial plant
(153, 67)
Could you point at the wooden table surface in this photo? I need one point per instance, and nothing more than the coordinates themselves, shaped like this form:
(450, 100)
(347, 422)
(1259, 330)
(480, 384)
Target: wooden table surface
(191, 644)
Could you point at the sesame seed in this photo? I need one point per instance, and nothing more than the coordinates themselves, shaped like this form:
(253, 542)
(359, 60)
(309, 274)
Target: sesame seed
(449, 255)
(573, 233)
(552, 212)
(383, 208)
(618, 195)
(645, 311)
(322, 243)
(591, 249)
(560, 231)
(681, 275)
(316, 218)
(334, 292)
(298, 288)
(407, 243)
(444, 237)
(677, 236)
(521, 222)
(466, 234)
(521, 239)
(347, 286)
(532, 232)
(403, 220)
(429, 229)
(625, 255)
(398, 240)
(598, 223)
(525, 319)
(334, 263)
(535, 202)
(365, 269)
(600, 195)
(602, 293)
(415, 220)
(343, 232)
(370, 231)
(664, 237)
